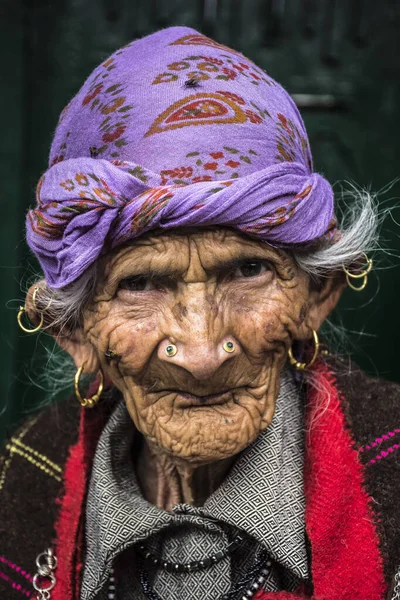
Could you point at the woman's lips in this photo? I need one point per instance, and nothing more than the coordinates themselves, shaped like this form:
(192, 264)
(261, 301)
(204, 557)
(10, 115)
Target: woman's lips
(185, 399)
(191, 400)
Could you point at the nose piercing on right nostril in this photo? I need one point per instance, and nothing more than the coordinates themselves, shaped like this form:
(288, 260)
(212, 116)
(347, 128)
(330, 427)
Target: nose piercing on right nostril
(228, 346)
(171, 350)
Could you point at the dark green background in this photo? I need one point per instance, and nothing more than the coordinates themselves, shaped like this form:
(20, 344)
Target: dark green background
(348, 49)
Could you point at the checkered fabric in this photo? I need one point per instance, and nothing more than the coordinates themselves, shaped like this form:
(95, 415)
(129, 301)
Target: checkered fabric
(262, 497)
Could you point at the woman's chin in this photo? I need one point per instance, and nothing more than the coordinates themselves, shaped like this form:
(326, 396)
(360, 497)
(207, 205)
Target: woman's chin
(208, 430)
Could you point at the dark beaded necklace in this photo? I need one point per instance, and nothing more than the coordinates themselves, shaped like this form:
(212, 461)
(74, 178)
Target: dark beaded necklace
(248, 585)
(196, 565)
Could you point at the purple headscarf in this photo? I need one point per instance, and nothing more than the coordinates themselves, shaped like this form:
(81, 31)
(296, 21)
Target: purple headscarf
(175, 130)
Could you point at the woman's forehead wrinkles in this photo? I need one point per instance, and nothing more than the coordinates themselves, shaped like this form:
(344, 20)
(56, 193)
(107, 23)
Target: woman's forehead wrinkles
(196, 270)
(146, 252)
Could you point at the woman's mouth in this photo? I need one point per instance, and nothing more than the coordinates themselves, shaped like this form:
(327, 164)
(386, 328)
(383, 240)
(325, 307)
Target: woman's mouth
(187, 399)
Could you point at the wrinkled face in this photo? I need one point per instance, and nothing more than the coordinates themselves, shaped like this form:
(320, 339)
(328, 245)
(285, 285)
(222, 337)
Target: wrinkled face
(230, 307)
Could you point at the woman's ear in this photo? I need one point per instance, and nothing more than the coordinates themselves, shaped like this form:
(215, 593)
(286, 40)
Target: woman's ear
(321, 303)
(72, 341)
(82, 351)
(33, 302)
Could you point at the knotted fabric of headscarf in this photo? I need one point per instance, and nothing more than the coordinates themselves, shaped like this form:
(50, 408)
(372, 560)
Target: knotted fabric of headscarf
(247, 167)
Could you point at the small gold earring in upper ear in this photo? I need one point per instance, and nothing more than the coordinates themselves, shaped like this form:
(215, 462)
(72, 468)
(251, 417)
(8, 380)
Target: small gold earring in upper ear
(362, 275)
(171, 350)
(22, 310)
(302, 366)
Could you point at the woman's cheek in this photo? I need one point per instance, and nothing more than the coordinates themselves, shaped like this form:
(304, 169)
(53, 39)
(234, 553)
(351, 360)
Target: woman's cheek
(266, 326)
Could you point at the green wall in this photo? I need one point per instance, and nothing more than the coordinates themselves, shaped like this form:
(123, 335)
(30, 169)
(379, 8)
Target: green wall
(348, 50)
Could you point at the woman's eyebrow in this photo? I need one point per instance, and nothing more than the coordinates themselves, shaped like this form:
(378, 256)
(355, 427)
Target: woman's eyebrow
(237, 262)
(153, 272)
(170, 271)
(219, 265)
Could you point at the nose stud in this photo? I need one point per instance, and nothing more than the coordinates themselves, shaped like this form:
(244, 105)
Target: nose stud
(171, 350)
(228, 347)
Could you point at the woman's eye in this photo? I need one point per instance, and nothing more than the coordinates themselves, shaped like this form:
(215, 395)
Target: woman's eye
(250, 268)
(136, 284)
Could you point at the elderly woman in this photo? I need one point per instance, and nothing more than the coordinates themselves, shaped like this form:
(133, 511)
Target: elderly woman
(190, 256)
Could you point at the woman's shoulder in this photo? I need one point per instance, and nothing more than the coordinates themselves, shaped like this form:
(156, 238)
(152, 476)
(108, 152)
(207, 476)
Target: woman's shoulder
(372, 408)
(31, 470)
(43, 438)
(372, 403)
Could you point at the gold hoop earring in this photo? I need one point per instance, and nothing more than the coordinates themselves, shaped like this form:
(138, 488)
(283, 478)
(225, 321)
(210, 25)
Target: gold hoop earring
(92, 401)
(22, 310)
(302, 366)
(363, 275)
(22, 326)
(35, 292)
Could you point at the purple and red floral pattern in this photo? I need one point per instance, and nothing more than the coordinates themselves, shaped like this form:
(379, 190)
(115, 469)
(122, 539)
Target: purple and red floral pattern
(224, 68)
(202, 166)
(290, 140)
(138, 149)
(220, 108)
(108, 100)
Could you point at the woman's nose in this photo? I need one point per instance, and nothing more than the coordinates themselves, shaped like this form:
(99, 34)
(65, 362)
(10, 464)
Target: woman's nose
(200, 359)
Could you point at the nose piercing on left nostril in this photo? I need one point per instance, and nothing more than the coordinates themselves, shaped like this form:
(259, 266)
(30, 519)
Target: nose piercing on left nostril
(171, 350)
(110, 355)
(228, 346)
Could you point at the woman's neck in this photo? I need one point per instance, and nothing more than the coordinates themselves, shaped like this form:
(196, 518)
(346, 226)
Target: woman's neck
(165, 481)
